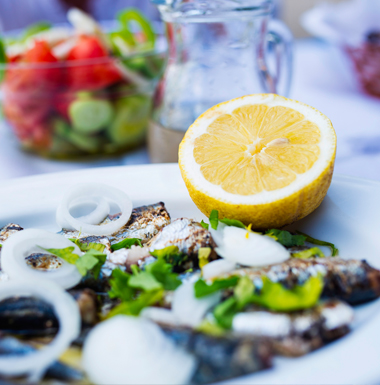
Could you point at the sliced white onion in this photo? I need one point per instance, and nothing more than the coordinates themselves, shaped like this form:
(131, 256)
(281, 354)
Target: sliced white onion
(216, 268)
(91, 191)
(253, 250)
(130, 350)
(67, 312)
(190, 310)
(23, 243)
(100, 212)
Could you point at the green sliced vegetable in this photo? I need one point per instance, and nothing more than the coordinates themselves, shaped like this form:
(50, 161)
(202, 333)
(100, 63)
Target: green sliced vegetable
(204, 225)
(308, 238)
(126, 244)
(214, 219)
(89, 116)
(36, 28)
(203, 254)
(131, 120)
(130, 17)
(286, 238)
(202, 289)
(304, 254)
(3, 59)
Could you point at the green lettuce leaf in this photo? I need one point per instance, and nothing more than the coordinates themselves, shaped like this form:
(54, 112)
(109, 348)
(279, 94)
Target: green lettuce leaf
(126, 244)
(304, 254)
(202, 289)
(308, 238)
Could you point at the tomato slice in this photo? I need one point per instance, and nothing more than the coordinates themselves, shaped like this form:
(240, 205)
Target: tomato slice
(91, 76)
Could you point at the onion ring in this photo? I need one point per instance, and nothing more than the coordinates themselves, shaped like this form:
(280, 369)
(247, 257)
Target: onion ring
(90, 190)
(67, 312)
(26, 242)
(100, 212)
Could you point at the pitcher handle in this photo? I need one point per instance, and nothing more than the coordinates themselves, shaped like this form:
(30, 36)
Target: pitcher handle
(280, 37)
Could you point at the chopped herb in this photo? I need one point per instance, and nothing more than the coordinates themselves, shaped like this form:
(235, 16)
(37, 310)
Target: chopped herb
(126, 244)
(243, 291)
(304, 254)
(170, 254)
(211, 328)
(120, 286)
(202, 289)
(163, 272)
(214, 219)
(225, 312)
(233, 222)
(203, 254)
(144, 281)
(308, 238)
(204, 224)
(286, 238)
(92, 261)
(134, 307)
(88, 246)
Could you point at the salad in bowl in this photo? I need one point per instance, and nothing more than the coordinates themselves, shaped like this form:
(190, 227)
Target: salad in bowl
(81, 90)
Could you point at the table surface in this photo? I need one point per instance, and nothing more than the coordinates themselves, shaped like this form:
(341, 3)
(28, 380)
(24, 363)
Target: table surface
(323, 78)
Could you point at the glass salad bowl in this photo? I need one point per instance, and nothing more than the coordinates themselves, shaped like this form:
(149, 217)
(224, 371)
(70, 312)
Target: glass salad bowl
(68, 93)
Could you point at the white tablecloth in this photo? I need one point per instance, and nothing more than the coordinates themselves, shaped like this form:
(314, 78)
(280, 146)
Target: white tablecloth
(322, 78)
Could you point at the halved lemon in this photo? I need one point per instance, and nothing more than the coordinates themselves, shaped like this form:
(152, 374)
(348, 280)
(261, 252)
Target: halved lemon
(263, 159)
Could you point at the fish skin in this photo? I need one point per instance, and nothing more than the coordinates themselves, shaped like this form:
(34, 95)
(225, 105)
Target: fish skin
(221, 358)
(350, 280)
(189, 236)
(300, 332)
(57, 370)
(8, 230)
(43, 262)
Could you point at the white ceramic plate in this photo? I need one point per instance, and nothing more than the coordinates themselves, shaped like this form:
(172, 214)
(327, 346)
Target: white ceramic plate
(349, 217)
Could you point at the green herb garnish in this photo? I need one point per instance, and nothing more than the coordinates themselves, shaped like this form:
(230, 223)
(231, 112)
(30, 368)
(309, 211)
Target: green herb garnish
(286, 238)
(203, 255)
(170, 254)
(214, 219)
(204, 224)
(233, 222)
(304, 254)
(36, 28)
(3, 59)
(203, 289)
(308, 238)
(92, 261)
(88, 246)
(126, 243)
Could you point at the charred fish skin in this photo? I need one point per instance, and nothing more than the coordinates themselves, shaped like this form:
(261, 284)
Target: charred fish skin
(298, 333)
(353, 281)
(221, 358)
(189, 236)
(56, 371)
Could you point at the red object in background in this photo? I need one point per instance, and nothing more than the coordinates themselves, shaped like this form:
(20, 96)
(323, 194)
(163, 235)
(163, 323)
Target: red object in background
(91, 76)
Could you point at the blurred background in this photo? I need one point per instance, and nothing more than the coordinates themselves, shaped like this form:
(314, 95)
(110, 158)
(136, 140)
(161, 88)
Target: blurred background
(336, 69)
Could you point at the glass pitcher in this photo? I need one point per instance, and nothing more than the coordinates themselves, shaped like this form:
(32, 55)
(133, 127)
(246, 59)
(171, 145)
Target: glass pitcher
(218, 50)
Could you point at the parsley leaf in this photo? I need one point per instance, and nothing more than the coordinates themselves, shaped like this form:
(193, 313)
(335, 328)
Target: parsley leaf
(214, 219)
(86, 263)
(286, 238)
(101, 259)
(233, 222)
(225, 312)
(308, 238)
(201, 288)
(126, 243)
(66, 254)
(304, 254)
(204, 225)
(144, 281)
(162, 271)
(120, 286)
(88, 246)
(170, 254)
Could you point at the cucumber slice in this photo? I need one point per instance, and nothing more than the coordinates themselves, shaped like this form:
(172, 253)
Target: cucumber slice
(131, 119)
(82, 142)
(89, 116)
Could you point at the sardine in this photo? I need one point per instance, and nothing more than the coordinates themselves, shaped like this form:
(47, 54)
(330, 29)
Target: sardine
(29, 316)
(297, 333)
(221, 358)
(189, 236)
(145, 222)
(353, 281)
(57, 371)
(8, 230)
